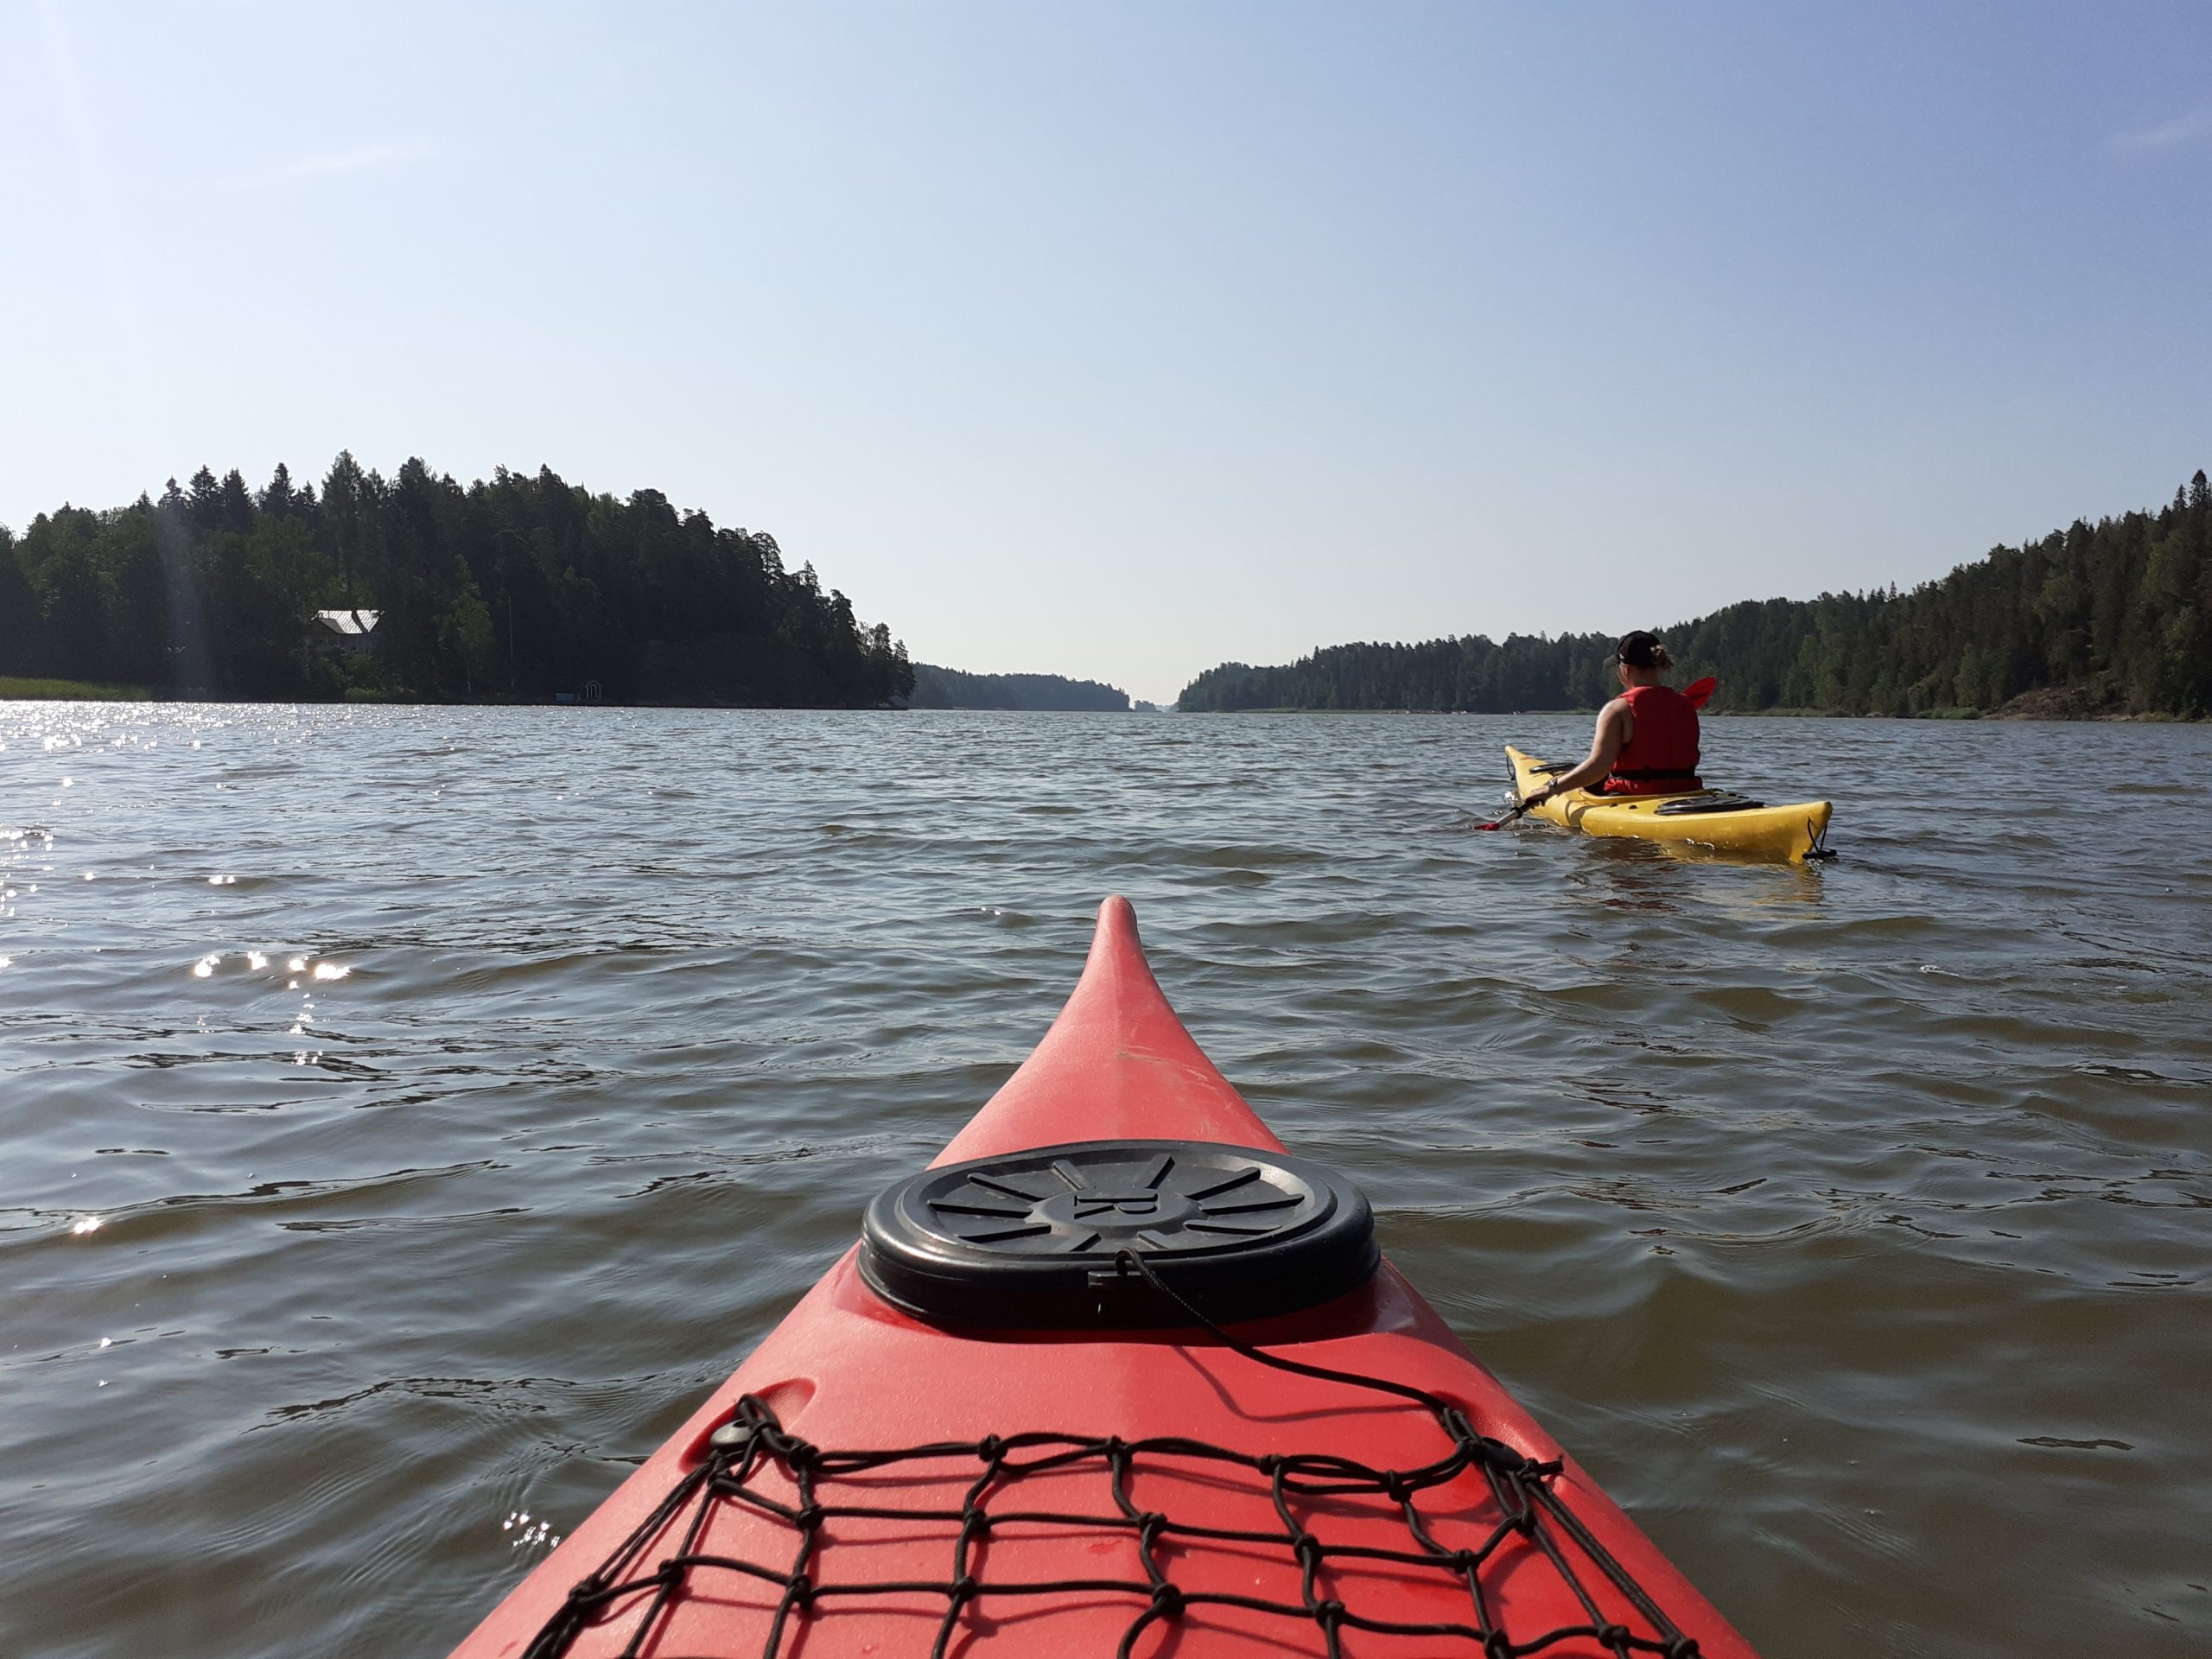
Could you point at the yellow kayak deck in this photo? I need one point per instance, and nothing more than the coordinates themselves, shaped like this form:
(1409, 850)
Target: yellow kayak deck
(1791, 831)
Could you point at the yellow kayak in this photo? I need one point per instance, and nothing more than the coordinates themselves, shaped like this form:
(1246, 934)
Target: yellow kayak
(1706, 819)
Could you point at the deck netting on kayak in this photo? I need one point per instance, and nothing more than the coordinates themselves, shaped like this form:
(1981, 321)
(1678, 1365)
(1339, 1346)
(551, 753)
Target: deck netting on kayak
(753, 1458)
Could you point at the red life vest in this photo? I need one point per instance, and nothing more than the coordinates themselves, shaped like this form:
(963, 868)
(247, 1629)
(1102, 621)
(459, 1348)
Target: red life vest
(1661, 755)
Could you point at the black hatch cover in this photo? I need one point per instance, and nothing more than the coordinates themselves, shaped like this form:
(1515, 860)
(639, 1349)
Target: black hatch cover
(1031, 1239)
(1710, 801)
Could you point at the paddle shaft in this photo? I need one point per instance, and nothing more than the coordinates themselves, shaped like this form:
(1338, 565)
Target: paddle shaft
(1519, 807)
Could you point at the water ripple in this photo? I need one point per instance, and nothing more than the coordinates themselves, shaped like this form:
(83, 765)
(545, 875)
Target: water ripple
(409, 1113)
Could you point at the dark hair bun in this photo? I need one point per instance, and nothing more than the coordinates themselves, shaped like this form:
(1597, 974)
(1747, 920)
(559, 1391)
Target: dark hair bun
(1642, 649)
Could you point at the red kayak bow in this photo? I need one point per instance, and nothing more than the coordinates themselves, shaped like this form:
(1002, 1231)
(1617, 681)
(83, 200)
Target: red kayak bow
(1116, 1375)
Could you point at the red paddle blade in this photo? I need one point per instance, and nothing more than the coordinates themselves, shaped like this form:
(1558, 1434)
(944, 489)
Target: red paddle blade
(1700, 692)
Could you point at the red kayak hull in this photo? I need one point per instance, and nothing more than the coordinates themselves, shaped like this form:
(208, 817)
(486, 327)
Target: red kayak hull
(846, 1370)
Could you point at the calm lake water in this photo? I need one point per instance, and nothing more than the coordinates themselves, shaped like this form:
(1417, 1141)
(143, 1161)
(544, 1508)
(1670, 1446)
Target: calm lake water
(406, 1114)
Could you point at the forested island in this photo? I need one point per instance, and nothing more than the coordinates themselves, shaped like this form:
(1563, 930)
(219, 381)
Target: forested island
(948, 688)
(522, 586)
(2109, 619)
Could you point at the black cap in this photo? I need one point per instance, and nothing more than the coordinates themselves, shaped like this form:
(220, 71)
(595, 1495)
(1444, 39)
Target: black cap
(1637, 649)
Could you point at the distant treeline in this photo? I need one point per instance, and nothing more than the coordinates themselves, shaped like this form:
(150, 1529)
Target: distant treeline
(523, 586)
(2110, 617)
(948, 688)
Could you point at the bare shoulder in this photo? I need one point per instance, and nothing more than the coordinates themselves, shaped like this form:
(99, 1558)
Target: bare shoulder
(1616, 727)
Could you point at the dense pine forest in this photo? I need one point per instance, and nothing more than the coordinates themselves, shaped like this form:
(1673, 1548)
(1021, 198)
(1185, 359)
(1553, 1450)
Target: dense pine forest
(948, 687)
(2114, 618)
(522, 586)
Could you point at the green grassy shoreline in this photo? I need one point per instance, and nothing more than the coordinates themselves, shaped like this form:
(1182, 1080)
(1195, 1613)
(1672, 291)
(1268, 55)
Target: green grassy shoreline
(15, 689)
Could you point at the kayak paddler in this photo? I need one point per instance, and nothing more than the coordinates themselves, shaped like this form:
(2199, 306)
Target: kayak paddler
(1647, 737)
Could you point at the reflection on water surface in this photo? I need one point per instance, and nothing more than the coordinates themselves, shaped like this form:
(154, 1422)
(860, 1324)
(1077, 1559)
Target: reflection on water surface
(408, 1113)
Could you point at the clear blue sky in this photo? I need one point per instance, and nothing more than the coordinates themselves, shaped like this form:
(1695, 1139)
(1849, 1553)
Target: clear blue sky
(1121, 339)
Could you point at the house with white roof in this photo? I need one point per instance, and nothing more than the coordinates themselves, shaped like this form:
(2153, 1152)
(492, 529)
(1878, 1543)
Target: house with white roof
(342, 633)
